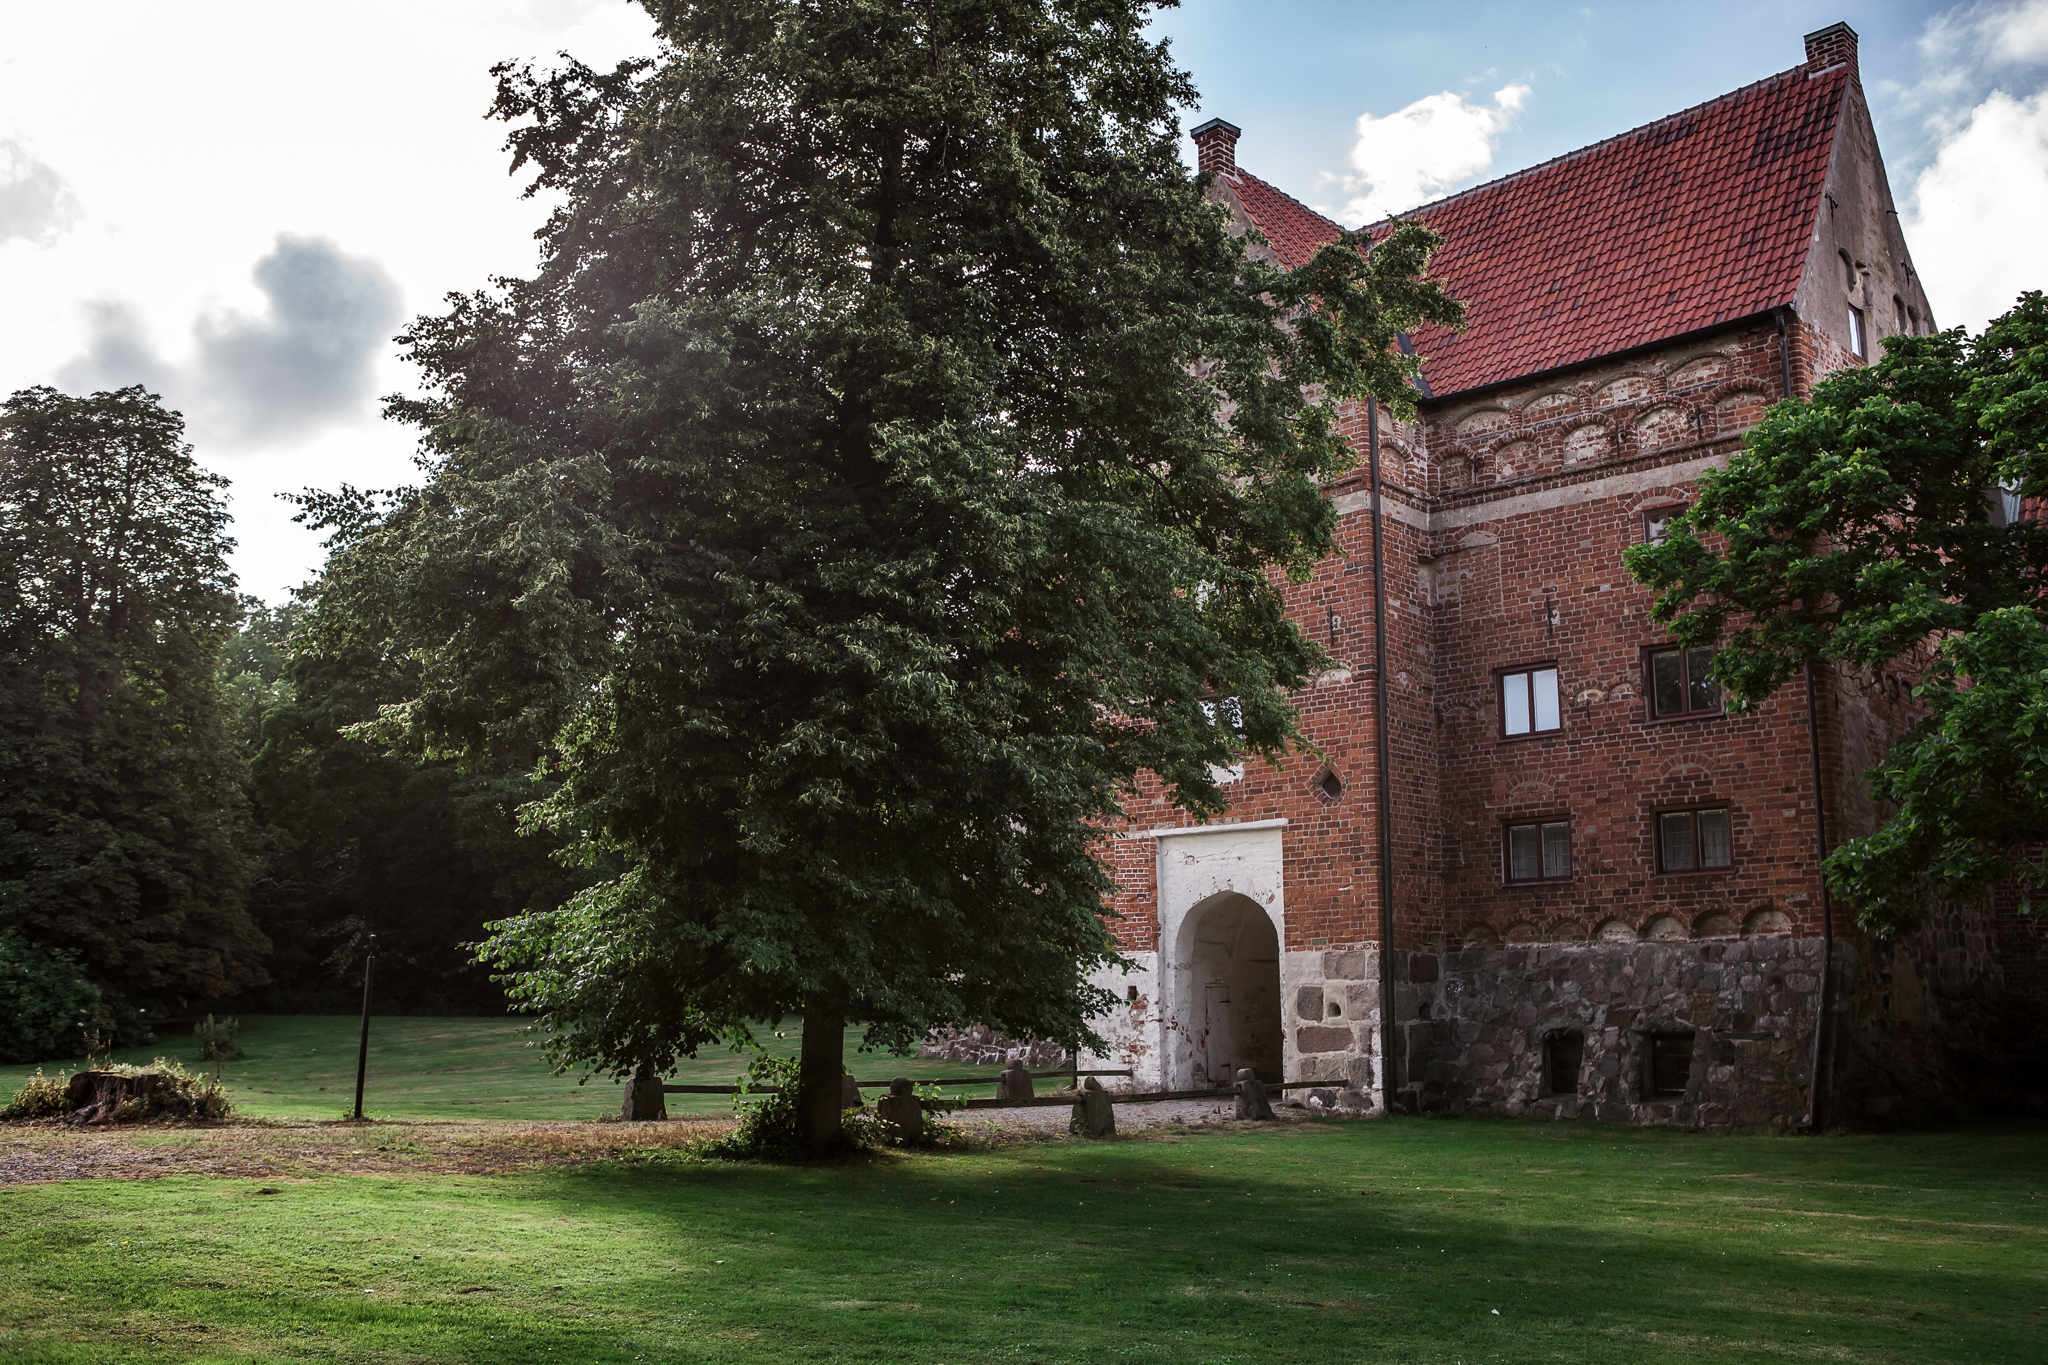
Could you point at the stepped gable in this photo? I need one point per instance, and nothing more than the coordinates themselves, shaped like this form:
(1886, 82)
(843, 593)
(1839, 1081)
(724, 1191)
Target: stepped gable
(1695, 220)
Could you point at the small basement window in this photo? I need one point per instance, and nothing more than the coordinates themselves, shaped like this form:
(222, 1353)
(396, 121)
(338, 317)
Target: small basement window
(1563, 1051)
(1670, 1065)
(1540, 851)
(1528, 701)
(1694, 840)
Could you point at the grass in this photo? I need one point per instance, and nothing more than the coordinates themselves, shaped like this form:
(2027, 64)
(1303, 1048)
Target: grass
(304, 1066)
(1398, 1240)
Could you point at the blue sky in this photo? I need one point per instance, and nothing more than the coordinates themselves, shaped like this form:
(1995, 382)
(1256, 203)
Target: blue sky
(239, 201)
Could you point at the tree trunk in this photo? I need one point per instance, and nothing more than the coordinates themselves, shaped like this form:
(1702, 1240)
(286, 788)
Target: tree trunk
(823, 1061)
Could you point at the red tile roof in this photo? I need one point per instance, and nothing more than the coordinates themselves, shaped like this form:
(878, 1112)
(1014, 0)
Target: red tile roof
(1698, 219)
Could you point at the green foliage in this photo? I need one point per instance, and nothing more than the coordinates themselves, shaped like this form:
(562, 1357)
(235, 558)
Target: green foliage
(46, 1000)
(124, 830)
(217, 1038)
(1867, 526)
(40, 1097)
(888, 464)
(771, 1128)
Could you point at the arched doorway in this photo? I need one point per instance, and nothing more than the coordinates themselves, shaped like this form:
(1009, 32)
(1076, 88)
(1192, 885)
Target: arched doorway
(1231, 1007)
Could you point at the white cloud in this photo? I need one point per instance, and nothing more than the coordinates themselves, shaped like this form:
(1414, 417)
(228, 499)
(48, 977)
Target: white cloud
(35, 203)
(1420, 153)
(1975, 225)
(1979, 177)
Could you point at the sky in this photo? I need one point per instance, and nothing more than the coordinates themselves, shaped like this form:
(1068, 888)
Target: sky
(239, 204)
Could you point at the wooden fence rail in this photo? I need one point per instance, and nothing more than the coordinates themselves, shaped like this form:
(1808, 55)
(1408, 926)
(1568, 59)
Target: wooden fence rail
(1036, 1101)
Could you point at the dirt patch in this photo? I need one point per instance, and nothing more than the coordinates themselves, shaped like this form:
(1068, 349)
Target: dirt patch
(36, 1153)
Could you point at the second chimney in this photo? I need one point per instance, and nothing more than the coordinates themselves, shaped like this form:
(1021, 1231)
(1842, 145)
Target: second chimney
(1216, 145)
(1832, 46)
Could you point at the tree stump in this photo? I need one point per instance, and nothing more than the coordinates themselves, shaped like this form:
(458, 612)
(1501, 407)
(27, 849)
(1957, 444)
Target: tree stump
(97, 1096)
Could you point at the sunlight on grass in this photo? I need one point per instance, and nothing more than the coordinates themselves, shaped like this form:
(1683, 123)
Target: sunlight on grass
(1403, 1240)
(304, 1066)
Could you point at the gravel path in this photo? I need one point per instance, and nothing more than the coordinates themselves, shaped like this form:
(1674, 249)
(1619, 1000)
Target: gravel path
(1129, 1117)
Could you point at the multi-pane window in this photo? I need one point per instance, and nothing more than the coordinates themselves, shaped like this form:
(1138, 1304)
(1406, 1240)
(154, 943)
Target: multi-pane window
(1682, 683)
(1694, 840)
(1540, 851)
(1528, 701)
(1657, 524)
(1856, 342)
(1670, 1065)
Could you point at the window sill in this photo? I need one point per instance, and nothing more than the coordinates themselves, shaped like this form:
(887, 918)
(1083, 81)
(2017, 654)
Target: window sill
(1698, 872)
(1558, 733)
(1688, 716)
(1537, 882)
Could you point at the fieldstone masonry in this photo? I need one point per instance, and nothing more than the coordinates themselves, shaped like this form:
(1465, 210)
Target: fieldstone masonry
(1748, 1007)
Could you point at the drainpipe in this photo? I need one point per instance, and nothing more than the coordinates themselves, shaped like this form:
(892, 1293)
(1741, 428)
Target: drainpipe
(1814, 1112)
(1389, 1060)
(1784, 355)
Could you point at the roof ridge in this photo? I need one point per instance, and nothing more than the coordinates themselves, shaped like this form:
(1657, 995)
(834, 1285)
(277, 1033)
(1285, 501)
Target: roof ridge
(1578, 152)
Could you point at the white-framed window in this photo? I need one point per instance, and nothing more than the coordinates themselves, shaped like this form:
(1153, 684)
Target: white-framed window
(1528, 701)
(1856, 329)
(1694, 840)
(1539, 851)
(1657, 523)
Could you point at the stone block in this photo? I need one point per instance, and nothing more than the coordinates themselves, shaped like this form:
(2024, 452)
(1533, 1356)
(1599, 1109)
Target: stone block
(1308, 1001)
(1323, 1038)
(1361, 999)
(1345, 966)
(1422, 968)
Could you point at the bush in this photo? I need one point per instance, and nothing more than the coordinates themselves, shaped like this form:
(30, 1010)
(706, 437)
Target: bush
(217, 1039)
(769, 1130)
(46, 1002)
(44, 1097)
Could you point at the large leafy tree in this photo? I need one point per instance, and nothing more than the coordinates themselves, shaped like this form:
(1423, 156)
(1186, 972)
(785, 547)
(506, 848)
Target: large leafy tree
(892, 457)
(1894, 519)
(124, 830)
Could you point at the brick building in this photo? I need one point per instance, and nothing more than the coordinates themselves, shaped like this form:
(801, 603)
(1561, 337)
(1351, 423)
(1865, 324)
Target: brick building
(1580, 887)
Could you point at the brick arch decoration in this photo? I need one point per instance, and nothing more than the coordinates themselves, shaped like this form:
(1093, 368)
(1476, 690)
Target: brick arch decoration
(1675, 367)
(1521, 932)
(1713, 398)
(1480, 935)
(1663, 929)
(1654, 381)
(1575, 403)
(1510, 420)
(1609, 422)
(1693, 420)
(1566, 931)
(1716, 924)
(1767, 921)
(1614, 930)
(1673, 496)
(1531, 794)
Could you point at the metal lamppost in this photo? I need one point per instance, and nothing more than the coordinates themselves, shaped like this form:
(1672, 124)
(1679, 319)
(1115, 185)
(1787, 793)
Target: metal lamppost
(363, 1052)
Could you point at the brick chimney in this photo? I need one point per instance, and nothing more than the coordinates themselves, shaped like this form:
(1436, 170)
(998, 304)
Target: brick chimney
(1832, 46)
(1216, 142)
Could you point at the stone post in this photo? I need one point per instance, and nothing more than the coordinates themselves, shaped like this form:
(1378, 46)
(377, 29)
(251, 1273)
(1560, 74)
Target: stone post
(1094, 1111)
(1015, 1082)
(1251, 1096)
(644, 1101)
(902, 1113)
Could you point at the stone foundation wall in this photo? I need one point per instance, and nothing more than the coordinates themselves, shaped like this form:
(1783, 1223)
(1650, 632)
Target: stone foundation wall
(983, 1046)
(1476, 1024)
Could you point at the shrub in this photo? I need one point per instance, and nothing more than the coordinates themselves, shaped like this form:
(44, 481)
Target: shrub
(768, 1129)
(217, 1039)
(42, 1098)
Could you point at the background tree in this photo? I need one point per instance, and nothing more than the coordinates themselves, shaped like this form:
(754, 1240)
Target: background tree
(892, 457)
(125, 836)
(1895, 517)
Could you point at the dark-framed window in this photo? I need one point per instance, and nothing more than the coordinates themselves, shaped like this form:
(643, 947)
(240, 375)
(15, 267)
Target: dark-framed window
(1669, 1069)
(1857, 326)
(1528, 701)
(1538, 851)
(1657, 523)
(1698, 840)
(1563, 1052)
(1681, 684)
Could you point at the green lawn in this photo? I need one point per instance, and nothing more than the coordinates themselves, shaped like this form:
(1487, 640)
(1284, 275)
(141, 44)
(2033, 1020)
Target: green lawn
(1401, 1240)
(304, 1066)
